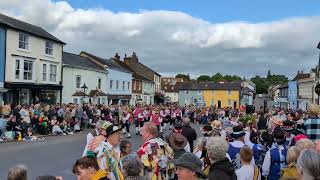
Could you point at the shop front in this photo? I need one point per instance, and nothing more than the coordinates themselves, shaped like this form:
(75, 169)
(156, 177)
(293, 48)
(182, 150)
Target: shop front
(22, 93)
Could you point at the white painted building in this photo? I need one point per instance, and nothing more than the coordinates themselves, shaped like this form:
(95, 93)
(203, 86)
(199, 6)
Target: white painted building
(79, 71)
(170, 88)
(118, 81)
(33, 63)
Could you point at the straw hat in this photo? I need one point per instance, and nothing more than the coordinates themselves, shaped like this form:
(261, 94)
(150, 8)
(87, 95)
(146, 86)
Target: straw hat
(277, 121)
(216, 124)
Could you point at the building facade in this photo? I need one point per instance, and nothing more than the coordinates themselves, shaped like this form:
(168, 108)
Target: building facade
(283, 96)
(119, 80)
(78, 71)
(2, 61)
(223, 94)
(292, 94)
(33, 63)
(170, 88)
(136, 66)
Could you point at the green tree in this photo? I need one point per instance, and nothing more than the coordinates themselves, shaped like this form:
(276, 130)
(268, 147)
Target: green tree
(217, 77)
(261, 84)
(203, 78)
(183, 76)
(269, 74)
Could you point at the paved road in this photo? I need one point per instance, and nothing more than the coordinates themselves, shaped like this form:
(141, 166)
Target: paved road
(54, 155)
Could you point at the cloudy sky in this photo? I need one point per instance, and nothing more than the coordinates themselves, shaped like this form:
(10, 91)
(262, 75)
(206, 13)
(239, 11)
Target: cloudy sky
(244, 37)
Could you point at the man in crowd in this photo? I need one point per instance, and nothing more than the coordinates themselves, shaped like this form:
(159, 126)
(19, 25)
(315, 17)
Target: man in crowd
(109, 153)
(150, 153)
(189, 132)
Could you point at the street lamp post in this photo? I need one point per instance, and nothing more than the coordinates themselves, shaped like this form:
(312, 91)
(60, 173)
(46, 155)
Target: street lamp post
(84, 87)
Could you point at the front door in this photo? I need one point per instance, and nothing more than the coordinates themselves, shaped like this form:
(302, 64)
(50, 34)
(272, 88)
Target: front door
(219, 104)
(235, 105)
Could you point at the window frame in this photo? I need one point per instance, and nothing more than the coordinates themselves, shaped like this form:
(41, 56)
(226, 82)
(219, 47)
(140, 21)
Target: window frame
(53, 73)
(99, 83)
(111, 84)
(78, 84)
(48, 48)
(24, 41)
(29, 71)
(17, 69)
(117, 85)
(44, 72)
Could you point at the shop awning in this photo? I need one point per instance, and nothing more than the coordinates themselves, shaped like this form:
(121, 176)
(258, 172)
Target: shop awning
(119, 96)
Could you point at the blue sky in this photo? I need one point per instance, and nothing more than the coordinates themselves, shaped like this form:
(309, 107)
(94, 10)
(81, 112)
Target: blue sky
(213, 10)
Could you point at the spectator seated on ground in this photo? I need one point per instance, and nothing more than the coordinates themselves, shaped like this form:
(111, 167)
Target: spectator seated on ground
(3, 125)
(14, 127)
(56, 130)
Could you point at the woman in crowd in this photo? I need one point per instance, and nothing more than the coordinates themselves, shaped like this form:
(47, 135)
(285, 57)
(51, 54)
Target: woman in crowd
(87, 168)
(132, 168)
(221, 167)
(291, 170)
(309, 165)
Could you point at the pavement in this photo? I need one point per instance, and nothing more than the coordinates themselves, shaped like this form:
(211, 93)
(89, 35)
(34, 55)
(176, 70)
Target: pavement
(55, 155)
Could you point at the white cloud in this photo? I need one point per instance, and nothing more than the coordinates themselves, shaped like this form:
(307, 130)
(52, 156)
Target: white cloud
(173, 42)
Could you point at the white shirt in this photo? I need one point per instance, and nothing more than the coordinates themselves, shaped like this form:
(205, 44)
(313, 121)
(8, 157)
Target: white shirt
(267, 161)
(246, 172)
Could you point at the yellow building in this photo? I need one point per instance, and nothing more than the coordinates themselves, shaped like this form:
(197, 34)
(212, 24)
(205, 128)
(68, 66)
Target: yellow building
(223, 95)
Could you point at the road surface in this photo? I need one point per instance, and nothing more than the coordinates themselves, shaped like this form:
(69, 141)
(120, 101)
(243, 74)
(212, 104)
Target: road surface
(55, 155)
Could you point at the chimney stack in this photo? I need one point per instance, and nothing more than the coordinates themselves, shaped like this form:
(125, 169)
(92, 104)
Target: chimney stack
(117, 57)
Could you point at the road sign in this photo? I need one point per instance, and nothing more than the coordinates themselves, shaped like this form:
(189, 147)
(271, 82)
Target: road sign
(317, 89)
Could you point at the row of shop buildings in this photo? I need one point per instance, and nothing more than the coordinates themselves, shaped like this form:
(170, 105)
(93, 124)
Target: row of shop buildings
(298, 93)
(34, 68)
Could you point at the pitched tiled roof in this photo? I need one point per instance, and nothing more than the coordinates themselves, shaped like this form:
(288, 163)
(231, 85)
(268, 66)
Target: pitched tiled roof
(135, 74)
(109, 62)
(96, 93)
(79, 61)
(210, 86)
(79, 93)
(301, 76)
(26, 27)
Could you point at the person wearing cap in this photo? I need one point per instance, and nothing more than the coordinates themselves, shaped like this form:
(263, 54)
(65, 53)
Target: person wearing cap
(109, 153)
(94, 142)
(275, 159)
(178, 130)
(288, 127)
(238, 134)
(189, 167)
(178, 143)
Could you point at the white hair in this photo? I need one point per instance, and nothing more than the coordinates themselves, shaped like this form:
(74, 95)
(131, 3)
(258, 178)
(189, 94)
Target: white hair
(217, 148)
(309, 163)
